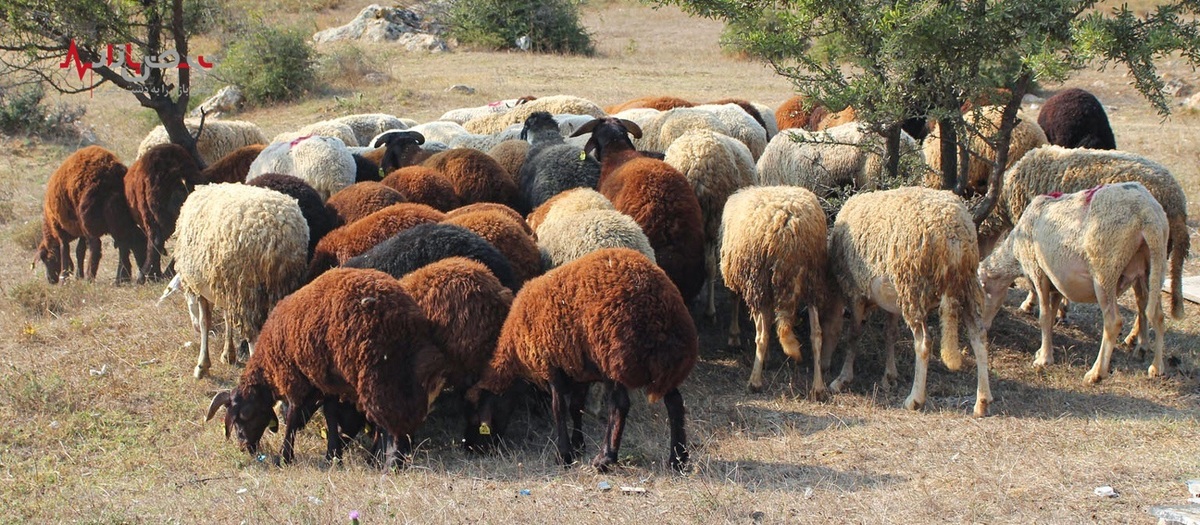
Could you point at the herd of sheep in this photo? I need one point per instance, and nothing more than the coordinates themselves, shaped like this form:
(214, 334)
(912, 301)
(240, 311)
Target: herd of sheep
(369, 262)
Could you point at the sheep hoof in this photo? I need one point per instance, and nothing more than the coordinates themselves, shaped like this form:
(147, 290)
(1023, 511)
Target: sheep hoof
(1155, 370)
(734, 342)
(819, 394)
(887, 382)
(838, 385)
(1042, 361)
(602, 463)
(1093, 377)
(199, 372)
(981, 406)
(754, 389)
(912, 404)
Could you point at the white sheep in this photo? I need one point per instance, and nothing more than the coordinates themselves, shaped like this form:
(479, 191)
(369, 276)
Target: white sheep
(438, 131)
(462, 115)
(367, 125)
(580, 221)
(240, 248)
(661, 129)
(1026, 135)
(716, 166)
(324, 128)
(773, 255)
(768, 116)
(219, 137)
(554, 105)
(1088, 247)
(907, 250)
(323, 162)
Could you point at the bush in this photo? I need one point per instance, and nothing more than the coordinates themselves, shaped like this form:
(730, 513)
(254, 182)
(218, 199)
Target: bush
(22, 112)
(552, 26)
(270, 64)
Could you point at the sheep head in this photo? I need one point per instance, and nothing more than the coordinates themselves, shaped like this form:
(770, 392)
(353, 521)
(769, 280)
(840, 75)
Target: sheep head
(539, 122)
(249, 411)
(401, 148)
(996, 273)
(51, 259)
(608, 131)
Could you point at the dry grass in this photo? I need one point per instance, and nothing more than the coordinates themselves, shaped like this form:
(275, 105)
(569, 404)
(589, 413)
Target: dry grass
(105, 420)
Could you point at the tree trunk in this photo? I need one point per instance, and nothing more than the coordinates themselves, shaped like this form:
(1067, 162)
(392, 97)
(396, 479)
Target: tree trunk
(1008, 120)
(892, 153)
(172, 120)
(949, 154)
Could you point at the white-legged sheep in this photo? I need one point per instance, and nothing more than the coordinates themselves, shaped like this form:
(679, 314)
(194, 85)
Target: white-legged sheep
(219, 138)
(323, 162)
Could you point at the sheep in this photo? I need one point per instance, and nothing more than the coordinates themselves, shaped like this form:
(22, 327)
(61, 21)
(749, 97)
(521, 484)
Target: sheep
(475, 176)
(323, 162)
(1074, 118)
(830, 119)
(425, 243)
(324, 128)
(400, 149)
(511, 155)
(462, 115)
(795, 113)
(565, 236)
(496, 122)
(361, 199)
(352, 335)
(746, 106)
(240, 248)
(773, 255)
(85, 199)
(611, 316)
(439, 131)
(218, 139)
(905, 250)
(508, 235)
(365, 169)
(350, 240)
(1087, 246)
(1026, 135)
(320, 219)
(367, 125)
(552, 166)
(155, 187)
(423, 185)
(715, 166)
(657, 196)
(659, 131)
(232, 167)
(492, 207)
(570, 201)
(1053, 168)
(768, 119)
(663, 103)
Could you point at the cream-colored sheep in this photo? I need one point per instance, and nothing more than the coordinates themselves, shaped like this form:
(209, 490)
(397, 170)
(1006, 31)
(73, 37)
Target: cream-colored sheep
(219, 138)
(324, 128)
(716, 166)
(564, 236)
(1026, 136)
(661, 129)
(570, 201)
(554, 105)
(367, 125)
(439, 131)
(1088, 247)
(907, 250)
(773, 255)
(323, 162)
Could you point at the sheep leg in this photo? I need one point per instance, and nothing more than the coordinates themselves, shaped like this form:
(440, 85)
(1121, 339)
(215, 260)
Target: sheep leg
(735, 330)
(710, 310)
(818, 390)
(891, 332)
(93, 257)
(618, 408)
(579, 395)
(983, 391)
(1046, 309)
(1112, 332)
(295, 421)
(228, 349)
(1030, 300)
(831, 313)
(124, 268)
(762, 342)
(921, 345)
(398, 449)
(559, 390)
(152, 268)
(675, 414)
(857, 315)
(203, 363)
(1155, 314)
(1137, 333)
(66, 265)
(80, 254)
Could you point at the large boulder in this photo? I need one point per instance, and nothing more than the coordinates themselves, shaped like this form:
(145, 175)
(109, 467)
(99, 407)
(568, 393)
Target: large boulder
(376, 23)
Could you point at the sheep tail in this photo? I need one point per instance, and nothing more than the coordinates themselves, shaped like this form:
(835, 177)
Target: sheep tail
(1179, 244)
(949, 311)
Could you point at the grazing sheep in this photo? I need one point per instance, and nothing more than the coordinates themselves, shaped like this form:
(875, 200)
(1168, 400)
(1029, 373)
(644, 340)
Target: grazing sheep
(566, 234)
(1026, 135)
(439, 131)
(794, 113)
(773, 255)
(218, 139)
(339, 245)
(323, 162)
(400, 149)
(423, 185)
(552, 165)
(425, 243)
(749, 108)
(155, 188)
(361, 199)
(367, 125)
(508, 235)
(554, 105)
(475, 176)
(906, 250)
(659, 131)
(462, 115)
(612, 317)
(324, 128)
(352, 335)
(242, 249)
(85, 199)
(1052, 168)
(830, 119)
(492, 207)
(570, 201)
(511, 155)
(1074, 118)
(715, 166)
(1088, 247)
(232, 167)
(318, 217)
(657, 196)
(663, 103)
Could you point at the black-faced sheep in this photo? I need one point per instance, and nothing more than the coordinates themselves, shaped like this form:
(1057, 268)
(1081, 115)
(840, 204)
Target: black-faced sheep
(354, 335)
(611, 316)
(361, 199)
(350, 240)
(1026, 135)
(85, 199)
(423, 185)
(365, 170)
(425, 243)
(907, 250)
(218, 139)
(242, 249)
(1074, 118)
(320, 220)
(552, 166)
(475, 176)
(232, 167)
(155, 187)
(323, 162)
(773, 255)
(1088, 247)
(508, 236)
(400, 149)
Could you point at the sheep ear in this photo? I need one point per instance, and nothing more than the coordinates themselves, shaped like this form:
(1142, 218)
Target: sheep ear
(222, 399)
(524, 133)
(273, 426)
(632, 128)
(590, 147)
(586, 128)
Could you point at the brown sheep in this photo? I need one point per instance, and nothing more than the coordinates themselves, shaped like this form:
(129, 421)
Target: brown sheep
(611, 316)
(359, 236)
(155, 187)
(361, 199)
(491, 206)
(423, 185)
(232, 167)
(793, 114)
(352, 335)
(475, 176)
(660, 103)
(85, 199)
(508, 236)
(834, 119)
(511, 155)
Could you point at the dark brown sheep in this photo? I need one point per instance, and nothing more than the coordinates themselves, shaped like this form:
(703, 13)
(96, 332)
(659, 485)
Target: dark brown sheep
(357, 237)
(232, 167)
(511, 155)
(611, 316)
(85, 199)
(354, 335)
(490, 206)
(508, 236)
(361, 199)
(475, 176)
(155, 187)
(660, 103)
(400, 148)
(1074, 118)
(424, 185)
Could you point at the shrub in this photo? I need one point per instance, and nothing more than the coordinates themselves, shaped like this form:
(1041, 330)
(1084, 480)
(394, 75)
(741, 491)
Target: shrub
(552, 26)
(270, 64)
(22, 112)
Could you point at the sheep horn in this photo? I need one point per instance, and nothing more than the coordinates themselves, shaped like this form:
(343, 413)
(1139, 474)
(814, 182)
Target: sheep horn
(222, 399)
(390, 136)
(586, 128)
(631, 127)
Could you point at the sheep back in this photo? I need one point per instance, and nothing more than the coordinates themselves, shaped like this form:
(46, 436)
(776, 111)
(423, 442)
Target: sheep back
(491, 207)
(156, 186)
(323, 162)
(508, 236)
(554, 105)
(425, 243)
(366, 126)
(350, 240)
(662, 103)
(361, 199)
(475, 176)
(570, 201)
(320, 220)
(1026, 135)
(423, 185)
(218, 139)
(232, 167)
(510, 154)
(1074, 118)
(553, 169)
(568, 235)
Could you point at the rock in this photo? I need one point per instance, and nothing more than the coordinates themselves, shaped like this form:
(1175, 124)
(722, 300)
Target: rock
(1181, 514)
(228, 100)
(1030, 98)
(461, 89)
(1193, 102)
(376, 23)
(1177, 88)
(423, 42)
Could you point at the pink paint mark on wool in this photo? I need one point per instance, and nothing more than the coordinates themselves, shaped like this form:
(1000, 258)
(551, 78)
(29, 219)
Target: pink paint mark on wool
(1088, 194)
(293, 143)
(1055, 194)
